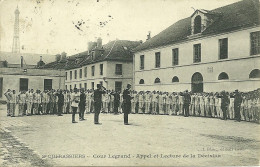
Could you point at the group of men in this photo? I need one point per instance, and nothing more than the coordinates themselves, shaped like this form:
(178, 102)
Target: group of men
(225, 105)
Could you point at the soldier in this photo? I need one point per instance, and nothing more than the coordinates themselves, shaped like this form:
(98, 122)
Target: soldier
(60, 102)
(105, 102)
(211, 105)
(29, 102)
(168, 100)
(75, 97)
(186, 103)
(224, 104)
(8, 101)
(141, 102)
(173, 103)
(147, 98)
(65, 101)
(111, 101)
(82, 105)
(21, 100)
(116, 95)
(88, 101)
(181, 101)
(45, 99)
(98, 102)
(202, 104)
(13, 102)
(134, 100)
(126, 103)
(154, 102)
(161, 102)
(192, 105)
(52, 101)
(231, 106)
(237, 105)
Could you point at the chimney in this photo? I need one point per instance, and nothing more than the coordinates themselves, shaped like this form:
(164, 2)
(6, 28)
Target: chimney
(58, 57)
(63, 56)
(99, 43)
(91, 45)
(149, 35)
(21, 61)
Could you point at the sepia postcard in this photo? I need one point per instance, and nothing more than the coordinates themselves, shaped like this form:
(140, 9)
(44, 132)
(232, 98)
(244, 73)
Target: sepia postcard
(129, 83)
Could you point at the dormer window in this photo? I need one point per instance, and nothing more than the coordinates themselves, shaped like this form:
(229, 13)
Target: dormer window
(197, 24)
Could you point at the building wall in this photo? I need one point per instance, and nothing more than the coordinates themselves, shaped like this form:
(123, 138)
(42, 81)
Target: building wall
(108, 78)
(238, 65)
(11, 78)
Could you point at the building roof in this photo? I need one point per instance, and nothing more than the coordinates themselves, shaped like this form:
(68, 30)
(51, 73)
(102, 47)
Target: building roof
(118, 50)
(235, 16)
(29, 58)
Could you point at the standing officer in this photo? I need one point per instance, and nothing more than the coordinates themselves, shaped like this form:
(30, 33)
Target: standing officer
(60, 102)
(75, 97)
(98, 101)
(186, 103)
(237, 105)
(126, 103)
(82, 105)
(224, 104)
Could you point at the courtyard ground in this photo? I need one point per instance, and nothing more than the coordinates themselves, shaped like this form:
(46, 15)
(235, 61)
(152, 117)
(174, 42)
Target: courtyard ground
(150, 140)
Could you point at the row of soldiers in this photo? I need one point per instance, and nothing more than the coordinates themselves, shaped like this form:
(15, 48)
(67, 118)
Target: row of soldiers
(225, 105)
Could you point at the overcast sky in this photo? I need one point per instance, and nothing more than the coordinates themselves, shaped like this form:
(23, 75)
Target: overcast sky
(54, 26)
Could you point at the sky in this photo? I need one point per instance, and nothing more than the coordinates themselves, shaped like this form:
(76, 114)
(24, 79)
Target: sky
(56, 26)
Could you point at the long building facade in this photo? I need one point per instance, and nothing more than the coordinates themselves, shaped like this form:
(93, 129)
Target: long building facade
(110, 65)
(209, 51)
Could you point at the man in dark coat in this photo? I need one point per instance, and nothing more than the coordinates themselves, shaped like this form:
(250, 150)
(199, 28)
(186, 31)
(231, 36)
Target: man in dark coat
(116, 95)
(126, 103)
(186, 103)
(224, 104)
(60, 102)
(237, 105)
(98, 101)
(82, 105)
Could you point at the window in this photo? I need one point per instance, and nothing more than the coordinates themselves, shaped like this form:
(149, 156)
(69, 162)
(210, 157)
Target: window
(93, 85)
(101, 83)
(66, 74)
(223, 48)
(141, 62)
(75, 86)
(197, 24)
(70, 87)
(223, 76)
(157, 60)
(157, 80)
(85, 72)
(70, 75)
(118, 86)
(175, 79)
(47, 84)
(93, 70)
(80, 85)
(85, 86)
(75, 74)
(197, 53)
(118, 69)
(141, 81)
(80, 73)
(255, 43)
(24, 84)
(255, 73)
(101, 69)
(175, 56)
(66, 87)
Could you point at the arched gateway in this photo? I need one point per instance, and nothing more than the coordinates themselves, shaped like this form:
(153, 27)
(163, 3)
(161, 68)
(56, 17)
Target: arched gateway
(197, 82)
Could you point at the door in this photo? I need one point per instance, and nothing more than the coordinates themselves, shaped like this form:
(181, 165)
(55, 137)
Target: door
(24, 84)
(118, 86)
(197, 83)
(47, 84)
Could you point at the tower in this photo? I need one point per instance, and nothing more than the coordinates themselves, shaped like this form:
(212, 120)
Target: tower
(16, 42)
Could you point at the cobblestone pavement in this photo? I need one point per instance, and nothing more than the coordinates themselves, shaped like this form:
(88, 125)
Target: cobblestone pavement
(151, 140)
